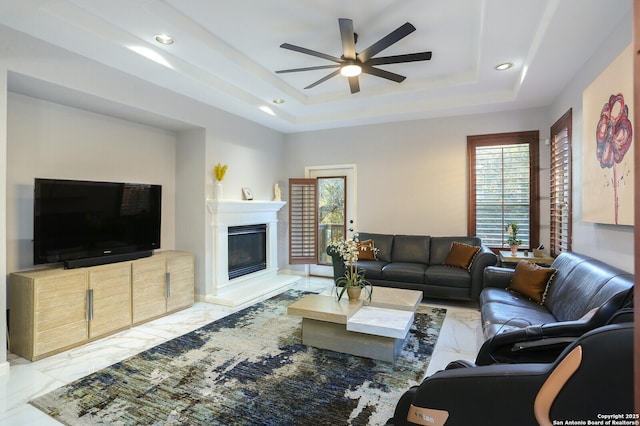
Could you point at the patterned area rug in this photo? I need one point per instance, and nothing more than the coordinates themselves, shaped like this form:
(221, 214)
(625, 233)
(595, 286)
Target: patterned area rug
(249, 368)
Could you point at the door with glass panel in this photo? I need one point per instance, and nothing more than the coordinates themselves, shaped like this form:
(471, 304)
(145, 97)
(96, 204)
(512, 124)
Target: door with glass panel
(336, 210)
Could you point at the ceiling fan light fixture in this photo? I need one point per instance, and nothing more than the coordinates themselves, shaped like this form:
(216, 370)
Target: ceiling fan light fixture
(351, 70)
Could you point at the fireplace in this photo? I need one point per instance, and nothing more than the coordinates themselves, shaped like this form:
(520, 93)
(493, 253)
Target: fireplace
(247, 249)
(255, 279)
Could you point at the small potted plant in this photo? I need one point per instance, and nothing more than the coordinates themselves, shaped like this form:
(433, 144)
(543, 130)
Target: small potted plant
(513, 241)
(353, 280)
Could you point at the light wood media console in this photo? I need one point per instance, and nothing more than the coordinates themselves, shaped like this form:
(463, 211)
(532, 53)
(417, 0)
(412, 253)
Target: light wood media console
(55, 309)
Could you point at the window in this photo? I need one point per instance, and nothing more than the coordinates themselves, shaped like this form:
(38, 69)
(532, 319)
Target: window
(503, 187)
(316, 217)
(331, 214)
(560, 194)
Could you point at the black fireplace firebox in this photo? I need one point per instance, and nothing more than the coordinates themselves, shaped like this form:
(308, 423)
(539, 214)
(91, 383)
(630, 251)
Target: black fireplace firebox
(247, 249)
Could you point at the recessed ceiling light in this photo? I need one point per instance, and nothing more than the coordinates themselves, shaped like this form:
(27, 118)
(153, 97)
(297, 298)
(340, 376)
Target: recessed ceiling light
(278, 101)
(504, 66)
(163, 39)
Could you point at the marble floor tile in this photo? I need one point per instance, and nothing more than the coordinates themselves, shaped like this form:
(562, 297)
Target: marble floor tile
(460, 338)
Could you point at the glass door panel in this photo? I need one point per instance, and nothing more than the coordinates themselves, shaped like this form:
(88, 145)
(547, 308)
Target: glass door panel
(331, 213)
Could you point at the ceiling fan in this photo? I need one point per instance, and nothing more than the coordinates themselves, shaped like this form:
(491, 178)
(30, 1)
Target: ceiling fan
(351, 63)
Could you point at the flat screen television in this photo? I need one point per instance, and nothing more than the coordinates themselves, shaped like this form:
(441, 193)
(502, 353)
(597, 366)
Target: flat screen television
(83, 223)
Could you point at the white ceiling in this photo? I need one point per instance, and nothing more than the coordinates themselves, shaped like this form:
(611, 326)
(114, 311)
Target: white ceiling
(226, 51)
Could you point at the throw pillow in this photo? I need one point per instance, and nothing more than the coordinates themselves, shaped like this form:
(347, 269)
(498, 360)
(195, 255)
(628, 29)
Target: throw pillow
(366, 250)
(532, 280)
(461, 255)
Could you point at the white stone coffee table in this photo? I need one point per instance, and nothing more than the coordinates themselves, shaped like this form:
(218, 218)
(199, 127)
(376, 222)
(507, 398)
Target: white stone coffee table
(374, 331)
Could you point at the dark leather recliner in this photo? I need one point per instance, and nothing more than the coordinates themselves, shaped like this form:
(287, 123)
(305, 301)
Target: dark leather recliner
(543, 343)
(591, 378)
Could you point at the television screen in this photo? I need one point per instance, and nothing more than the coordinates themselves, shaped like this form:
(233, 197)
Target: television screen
(77, 220)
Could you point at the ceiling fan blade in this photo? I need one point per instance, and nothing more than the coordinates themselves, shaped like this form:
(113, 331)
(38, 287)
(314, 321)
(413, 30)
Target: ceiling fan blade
(396, 59)
(310, 52)
(323, 79)
(320, 67)
(354, 84)
(348, 39)
(383, 73)
(386, 41)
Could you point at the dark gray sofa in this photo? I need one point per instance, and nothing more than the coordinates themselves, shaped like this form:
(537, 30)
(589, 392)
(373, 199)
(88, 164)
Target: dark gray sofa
(416, 262)
(584, 294)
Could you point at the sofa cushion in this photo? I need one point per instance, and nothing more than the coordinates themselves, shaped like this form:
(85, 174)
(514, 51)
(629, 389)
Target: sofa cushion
(532, 280)
(404, 271)
(520, 311)
(410, 249)
(461, 255)
(447, 276)
(366, 250)
(383, 242)
(372, 268)
(441, 246)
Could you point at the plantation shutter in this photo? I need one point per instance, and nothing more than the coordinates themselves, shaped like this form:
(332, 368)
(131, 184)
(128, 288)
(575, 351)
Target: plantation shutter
(502, 192)
(302, 221)
(503, 187)
(560, 194)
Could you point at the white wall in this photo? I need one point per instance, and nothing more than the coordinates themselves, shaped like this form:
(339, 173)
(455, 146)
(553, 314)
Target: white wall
(610, 243)
(4, 365)
(49, 140)
(412, 176)
(190, 193)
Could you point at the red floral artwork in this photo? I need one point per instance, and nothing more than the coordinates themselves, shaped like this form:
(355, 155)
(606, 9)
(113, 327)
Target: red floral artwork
(613, 137)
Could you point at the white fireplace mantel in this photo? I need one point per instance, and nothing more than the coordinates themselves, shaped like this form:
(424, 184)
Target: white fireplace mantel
(248, 288)
(220, 208)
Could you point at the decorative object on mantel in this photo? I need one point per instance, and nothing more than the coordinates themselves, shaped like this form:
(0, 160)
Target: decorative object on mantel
(353, 280)
(277, 194)
(219, 171)
(248, 195)
(514, 242)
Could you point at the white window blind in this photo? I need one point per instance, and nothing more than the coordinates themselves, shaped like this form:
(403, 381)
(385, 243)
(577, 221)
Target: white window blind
(560, 193)
(502, 192)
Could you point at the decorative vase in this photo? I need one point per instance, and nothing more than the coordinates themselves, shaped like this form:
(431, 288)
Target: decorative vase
(514, 249)
(219, 190)
(354, 293)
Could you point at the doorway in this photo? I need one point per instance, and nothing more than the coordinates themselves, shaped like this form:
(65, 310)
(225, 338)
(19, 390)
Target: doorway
(337, 189)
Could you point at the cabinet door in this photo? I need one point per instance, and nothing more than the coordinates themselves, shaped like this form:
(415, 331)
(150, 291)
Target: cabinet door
(181, 281)
(111, 299)
(148, 288)
(60, 311)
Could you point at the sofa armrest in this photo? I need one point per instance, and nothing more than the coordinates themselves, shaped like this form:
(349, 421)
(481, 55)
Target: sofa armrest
(484, 258)
(339, 267)
(497, 276)
(539, 343)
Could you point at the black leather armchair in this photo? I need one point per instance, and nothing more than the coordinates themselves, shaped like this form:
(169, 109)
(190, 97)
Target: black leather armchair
(592, 378)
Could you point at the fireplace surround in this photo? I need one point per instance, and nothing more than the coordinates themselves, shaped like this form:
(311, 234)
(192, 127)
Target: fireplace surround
(255, 285)
(247, 249)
